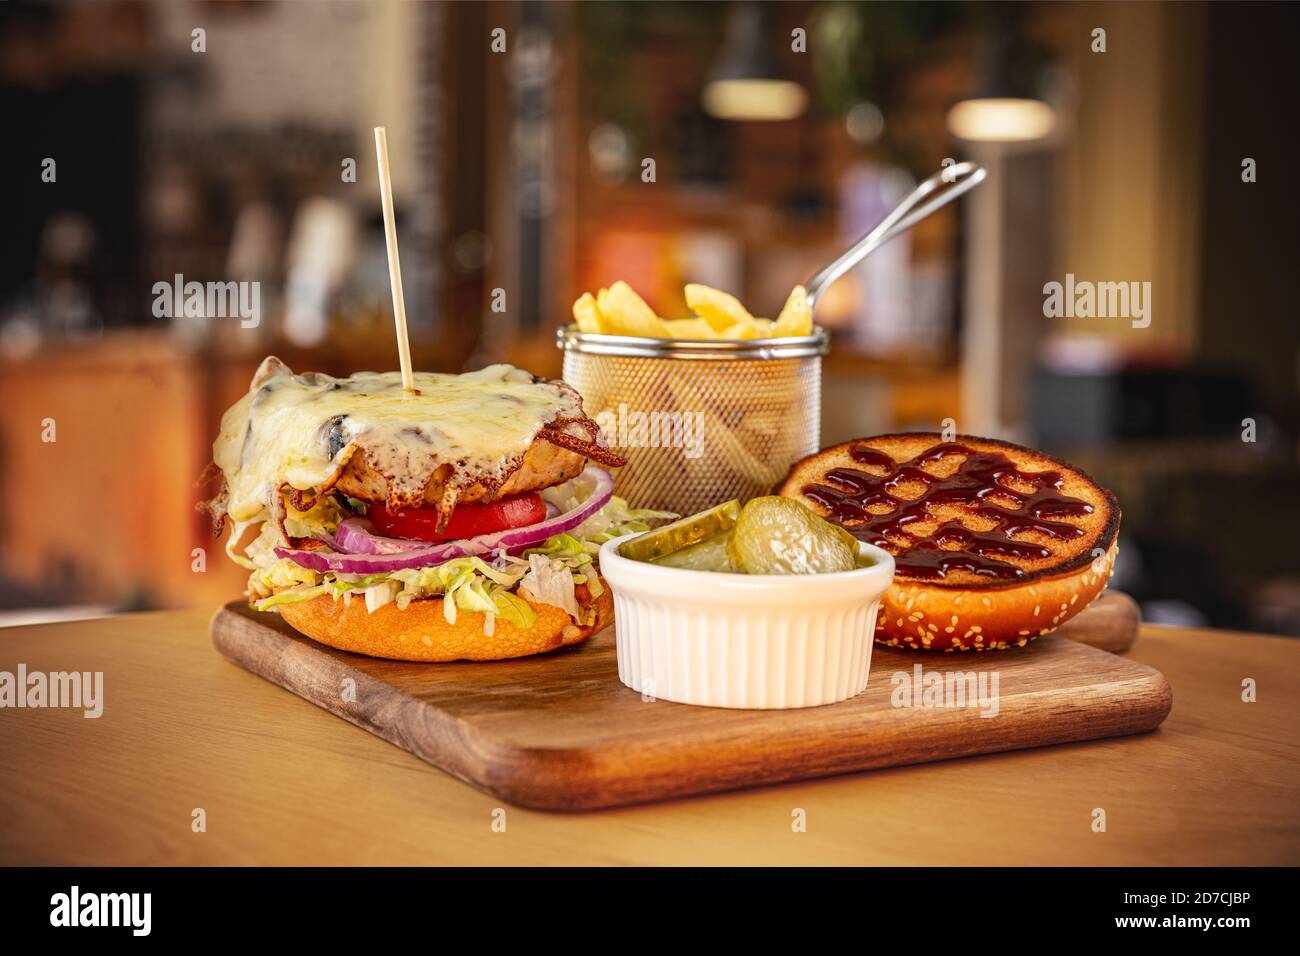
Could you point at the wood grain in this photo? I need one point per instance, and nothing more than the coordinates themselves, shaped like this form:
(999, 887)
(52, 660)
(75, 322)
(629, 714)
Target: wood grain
(283, 782)
(559, 732)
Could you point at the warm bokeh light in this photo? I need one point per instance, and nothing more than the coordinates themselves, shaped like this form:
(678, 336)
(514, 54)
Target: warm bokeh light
(1001, 120)
(755, 99)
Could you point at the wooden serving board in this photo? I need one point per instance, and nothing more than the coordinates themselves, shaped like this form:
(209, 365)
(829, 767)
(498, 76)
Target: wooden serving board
(1110, 623)
(560, 732)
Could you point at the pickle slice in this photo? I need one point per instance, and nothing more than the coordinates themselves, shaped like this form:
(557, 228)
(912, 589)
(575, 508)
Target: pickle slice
(682, 533)
(709, 555)
(783, 536)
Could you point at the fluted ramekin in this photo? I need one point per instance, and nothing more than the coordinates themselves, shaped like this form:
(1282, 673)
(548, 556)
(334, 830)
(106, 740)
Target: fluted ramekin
(760, 641)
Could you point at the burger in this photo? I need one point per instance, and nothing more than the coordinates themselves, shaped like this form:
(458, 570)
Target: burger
(460, 519)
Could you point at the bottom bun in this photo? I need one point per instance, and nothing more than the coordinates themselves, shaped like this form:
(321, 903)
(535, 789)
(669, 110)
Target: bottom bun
(420, 632)
(918, 615)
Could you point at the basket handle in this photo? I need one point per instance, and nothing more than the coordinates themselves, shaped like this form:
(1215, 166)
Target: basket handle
(959, 179)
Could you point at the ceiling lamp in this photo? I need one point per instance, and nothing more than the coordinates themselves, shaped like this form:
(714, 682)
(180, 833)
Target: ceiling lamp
(1001, 120)
(1005, 107)
(747, 83)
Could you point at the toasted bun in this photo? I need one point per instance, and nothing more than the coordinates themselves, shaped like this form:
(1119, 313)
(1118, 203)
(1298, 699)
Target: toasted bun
(420, 632)
(963, 610)
(925, 617)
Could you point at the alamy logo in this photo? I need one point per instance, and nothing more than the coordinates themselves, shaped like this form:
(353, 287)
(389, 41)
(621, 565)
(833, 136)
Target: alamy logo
(75, 908)
(634, 429)
(82, 690)
(946, 689)
(1102, 300)
(219, 300)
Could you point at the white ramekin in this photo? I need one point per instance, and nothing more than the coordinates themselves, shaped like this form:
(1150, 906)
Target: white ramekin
(761, 641)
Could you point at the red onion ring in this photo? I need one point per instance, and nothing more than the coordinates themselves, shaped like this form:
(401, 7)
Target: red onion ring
(382, 558)
(358, 536)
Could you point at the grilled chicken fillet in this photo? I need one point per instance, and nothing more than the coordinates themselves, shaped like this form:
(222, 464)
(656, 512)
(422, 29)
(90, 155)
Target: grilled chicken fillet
(457, 439)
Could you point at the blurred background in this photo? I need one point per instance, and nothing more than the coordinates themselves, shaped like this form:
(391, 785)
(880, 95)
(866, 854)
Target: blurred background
(544, 149)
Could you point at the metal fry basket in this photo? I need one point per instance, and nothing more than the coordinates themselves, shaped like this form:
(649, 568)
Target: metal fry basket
(699, 421)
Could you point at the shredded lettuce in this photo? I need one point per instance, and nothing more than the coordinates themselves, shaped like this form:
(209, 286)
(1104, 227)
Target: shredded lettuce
(565, 547)
(291, 596)
(324, 516)
(572, 554)
(280, 575)
(612, 521)
(341, 584)
(378, 595)
(550, 581)
(470, 585)
(513, 608)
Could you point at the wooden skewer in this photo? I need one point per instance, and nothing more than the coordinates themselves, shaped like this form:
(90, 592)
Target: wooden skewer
(394, 266)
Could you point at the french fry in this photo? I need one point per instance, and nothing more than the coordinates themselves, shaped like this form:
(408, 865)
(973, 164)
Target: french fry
(691, 329)
(761, 424)
(618, 310)
(726, 444)
(753, 329)
(741, 330)
(587, 314)
(796, 317)
(720, 310)
(627, 313)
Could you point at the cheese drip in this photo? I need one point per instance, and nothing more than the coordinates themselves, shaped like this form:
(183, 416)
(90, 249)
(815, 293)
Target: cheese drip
(301, 430)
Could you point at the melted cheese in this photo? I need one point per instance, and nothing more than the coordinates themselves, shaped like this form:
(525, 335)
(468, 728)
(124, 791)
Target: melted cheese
(301, 430)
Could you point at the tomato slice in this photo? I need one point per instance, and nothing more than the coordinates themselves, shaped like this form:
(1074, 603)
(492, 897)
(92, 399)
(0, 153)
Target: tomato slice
(467, 521)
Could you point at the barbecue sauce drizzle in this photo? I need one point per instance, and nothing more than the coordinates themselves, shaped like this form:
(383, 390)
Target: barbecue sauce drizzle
(978, 477)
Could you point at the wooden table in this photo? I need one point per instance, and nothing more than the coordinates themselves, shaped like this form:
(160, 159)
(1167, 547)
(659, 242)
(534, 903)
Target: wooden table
(282, 782)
